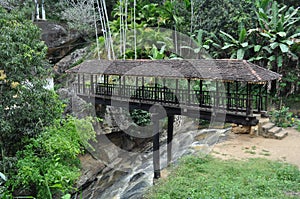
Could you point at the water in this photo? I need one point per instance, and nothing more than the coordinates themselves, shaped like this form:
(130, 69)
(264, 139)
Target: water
(137, 169)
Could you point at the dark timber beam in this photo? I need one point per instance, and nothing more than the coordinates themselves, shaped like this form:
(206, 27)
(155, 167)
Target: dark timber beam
(228, 95)
(78, 82)
(236, 95)
(189, 92)
(83, 83)
(248, 100)
(201, 93)
(266, 93)
(156, 153)
(259, 101)
(92, 84)
(170, 138)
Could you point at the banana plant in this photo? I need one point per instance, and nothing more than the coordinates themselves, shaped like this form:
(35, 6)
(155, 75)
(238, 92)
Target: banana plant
(157, 54)
(202, 43)
(199, 40)
(238, 47)
(278, 32)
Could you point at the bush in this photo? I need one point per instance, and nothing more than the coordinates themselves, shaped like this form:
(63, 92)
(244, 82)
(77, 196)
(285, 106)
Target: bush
(282, 117)
(140, 117)
(298, 124)
(49, 164)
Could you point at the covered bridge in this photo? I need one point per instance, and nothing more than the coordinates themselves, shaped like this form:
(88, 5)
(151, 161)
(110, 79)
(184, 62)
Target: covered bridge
(196, 88)
(220, 90)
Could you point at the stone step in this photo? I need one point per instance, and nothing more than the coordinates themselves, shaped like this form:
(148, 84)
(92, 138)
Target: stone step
(264, 121)
(268, 126)
(280, 135)
(274, 130)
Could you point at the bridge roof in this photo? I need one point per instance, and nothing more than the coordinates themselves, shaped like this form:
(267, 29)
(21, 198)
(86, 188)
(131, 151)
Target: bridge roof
(213, 69)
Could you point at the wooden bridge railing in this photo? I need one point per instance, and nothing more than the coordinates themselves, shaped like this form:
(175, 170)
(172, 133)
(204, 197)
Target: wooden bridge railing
(229, 101)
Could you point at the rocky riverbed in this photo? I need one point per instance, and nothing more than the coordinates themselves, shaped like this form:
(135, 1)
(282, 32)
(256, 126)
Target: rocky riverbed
(121, 165)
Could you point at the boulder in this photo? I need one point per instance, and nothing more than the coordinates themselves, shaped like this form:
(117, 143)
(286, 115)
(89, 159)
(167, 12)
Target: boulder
(90, 168)
(240, 129)
(59, 39)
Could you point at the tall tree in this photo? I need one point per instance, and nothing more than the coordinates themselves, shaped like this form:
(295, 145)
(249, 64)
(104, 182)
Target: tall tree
(25, 105)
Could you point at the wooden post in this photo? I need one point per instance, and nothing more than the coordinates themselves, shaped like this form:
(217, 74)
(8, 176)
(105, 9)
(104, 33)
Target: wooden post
(228, 96)
(143, 88)
(201, 93)
(260, 100)
(156, 153)
(83, 84)
(176, 92)
(217, 96)
(106, 83)
(266, 91)
(164, 90)
(92, 85)
(78, 81)
(170, 138)
(137, 90)
(236, 95)
(248, 100)
(120, 86)
(189, 92)
(155, 89)
(124, 86)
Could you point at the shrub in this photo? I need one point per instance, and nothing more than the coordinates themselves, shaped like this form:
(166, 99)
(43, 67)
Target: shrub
(140, 117)
(282, 117)
(49, 164)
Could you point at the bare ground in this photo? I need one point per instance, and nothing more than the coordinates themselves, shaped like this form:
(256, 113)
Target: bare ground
(243, 146)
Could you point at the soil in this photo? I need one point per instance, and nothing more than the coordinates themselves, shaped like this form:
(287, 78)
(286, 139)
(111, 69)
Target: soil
(244, 146)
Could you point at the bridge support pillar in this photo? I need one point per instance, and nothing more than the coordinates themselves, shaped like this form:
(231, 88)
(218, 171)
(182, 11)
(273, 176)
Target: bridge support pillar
(156, 153)
(170, 138)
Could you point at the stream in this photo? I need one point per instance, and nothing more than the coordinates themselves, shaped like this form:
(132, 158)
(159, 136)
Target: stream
(127, 175)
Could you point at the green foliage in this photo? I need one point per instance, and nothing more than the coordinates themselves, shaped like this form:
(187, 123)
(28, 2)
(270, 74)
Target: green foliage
(276, 34)
(140, 117)
(25, 105)
(28, 114)
(157, 54)
(80, 15)
(298, 125)
(272, 42)
(3, 179)
(225, 15)
(22, 52)
(198, 177)
(24, 8)
(148, 15)
(282, 117)
(203, 43)
(49, 165)
(238, 47)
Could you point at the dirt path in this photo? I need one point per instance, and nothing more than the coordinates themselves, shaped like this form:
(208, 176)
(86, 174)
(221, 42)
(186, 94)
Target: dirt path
(241, 146)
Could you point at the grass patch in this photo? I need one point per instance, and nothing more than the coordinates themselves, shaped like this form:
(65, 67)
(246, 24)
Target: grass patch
(251, 152)
(265, 152)
(209, 177)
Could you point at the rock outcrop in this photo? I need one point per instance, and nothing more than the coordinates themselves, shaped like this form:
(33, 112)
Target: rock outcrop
(59, 39)
(67, 62)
